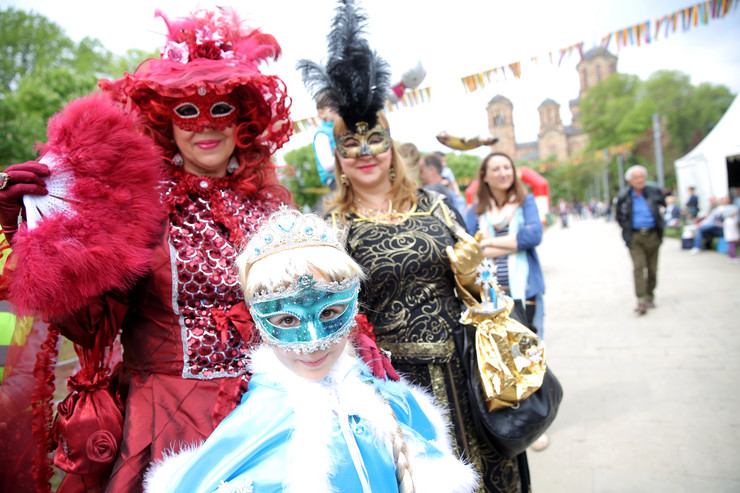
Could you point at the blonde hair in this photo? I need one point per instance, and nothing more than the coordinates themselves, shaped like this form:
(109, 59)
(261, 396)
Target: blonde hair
(403, 187)
(282, 268)
(404, 472)
(411, 156)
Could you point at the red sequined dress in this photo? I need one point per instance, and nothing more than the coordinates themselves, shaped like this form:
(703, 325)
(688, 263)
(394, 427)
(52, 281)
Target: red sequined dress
(185, 330)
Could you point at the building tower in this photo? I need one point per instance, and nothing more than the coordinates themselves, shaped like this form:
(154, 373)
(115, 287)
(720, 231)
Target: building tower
(501, 125)
(596, 65)
(552, 140)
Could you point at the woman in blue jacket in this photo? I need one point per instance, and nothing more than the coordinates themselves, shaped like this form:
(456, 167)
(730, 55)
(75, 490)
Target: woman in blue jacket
(510, 226)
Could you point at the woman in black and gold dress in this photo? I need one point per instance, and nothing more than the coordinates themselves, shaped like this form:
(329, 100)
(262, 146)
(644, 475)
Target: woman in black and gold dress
(402, 236)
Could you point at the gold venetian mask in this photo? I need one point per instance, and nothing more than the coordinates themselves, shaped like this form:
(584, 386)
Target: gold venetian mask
(364, 142)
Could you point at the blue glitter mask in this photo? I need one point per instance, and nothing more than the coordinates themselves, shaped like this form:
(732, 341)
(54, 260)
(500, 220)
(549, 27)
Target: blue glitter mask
(304, 305)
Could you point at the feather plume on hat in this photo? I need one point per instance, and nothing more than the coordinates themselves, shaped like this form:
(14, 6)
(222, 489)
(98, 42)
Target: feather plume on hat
(355, 80)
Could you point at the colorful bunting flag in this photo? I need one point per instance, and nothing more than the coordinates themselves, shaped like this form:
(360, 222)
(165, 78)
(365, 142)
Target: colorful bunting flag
(411, 99)
(628, 36)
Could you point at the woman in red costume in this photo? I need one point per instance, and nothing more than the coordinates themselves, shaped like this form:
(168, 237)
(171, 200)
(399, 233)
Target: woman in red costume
(215, 120)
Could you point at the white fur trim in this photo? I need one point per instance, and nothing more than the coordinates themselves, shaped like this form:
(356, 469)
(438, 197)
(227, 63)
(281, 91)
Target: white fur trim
(238, 486)
(159, 476)
(315, 403)
(310, 463)
(443, 475)
(447, 474)
(437, 414)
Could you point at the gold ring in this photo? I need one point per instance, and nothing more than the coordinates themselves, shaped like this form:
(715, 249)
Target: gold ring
(4, 177)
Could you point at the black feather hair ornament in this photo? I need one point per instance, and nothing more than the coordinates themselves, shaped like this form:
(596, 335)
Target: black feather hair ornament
(355, 80)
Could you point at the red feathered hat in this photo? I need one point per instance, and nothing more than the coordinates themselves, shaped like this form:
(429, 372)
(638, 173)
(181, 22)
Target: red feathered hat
(211, 51)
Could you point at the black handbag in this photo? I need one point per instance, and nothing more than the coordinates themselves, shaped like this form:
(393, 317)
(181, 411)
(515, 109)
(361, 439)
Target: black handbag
(511, 430)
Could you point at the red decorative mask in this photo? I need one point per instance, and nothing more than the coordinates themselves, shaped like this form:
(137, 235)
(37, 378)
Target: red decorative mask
(195, 113)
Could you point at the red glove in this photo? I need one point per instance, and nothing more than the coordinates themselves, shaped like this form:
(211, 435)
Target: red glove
(364, 342)
(19, 180)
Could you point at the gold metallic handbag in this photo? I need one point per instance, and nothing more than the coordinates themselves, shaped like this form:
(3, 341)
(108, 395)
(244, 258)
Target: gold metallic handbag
(514, 397)
(510, 357)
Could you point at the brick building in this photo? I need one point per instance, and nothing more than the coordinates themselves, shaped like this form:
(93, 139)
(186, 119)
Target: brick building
(554, 138)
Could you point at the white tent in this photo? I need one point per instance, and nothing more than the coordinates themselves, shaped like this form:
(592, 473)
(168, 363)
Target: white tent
(705, 167)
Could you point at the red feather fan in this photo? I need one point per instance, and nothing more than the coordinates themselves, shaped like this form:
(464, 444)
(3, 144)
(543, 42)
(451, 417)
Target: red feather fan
(106, 243)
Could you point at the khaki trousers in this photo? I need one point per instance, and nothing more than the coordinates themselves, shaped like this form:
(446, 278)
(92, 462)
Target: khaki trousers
(644, 252)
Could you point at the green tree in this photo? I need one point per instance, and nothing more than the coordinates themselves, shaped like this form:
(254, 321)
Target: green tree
(709, 102)
(620, 109)
(604, 107)
(27, 42)
(129, 62)
(671, 92)
(304, 182)
(41, 69)
(465, 167)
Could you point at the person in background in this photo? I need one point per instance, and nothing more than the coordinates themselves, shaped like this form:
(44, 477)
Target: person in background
(411, 156)
(323, 141)
(315, 418)
(508, 219)
(563, 212)
(672, 214)
(511, 228)
(405, 238)
(448, 177)
(638, 214)
(692, 205)
(710, 226)
(731, 230)
(430, 172)
(735, 196)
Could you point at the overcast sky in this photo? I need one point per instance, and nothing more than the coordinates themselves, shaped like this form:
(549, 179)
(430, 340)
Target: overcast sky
(451, 39)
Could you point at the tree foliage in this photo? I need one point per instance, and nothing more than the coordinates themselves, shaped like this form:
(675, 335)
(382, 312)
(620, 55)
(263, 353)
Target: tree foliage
(304, 181)
(41, 69)
(465, 167)
(606, 105)
(620, 109)
(29, 42)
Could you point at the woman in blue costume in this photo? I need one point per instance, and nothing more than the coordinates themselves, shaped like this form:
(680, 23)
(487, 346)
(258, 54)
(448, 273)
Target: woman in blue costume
(315, 418)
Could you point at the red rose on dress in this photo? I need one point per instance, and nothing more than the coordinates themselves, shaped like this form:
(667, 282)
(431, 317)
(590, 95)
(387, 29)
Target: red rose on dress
(102, 446)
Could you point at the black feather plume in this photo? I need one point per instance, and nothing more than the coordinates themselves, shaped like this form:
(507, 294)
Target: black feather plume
(355, 79)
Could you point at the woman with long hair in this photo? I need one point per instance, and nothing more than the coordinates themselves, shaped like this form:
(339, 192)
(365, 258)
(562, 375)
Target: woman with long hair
(407, 239)
(511, 228)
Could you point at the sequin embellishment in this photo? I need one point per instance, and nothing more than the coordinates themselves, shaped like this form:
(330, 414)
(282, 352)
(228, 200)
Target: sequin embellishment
(206, 281)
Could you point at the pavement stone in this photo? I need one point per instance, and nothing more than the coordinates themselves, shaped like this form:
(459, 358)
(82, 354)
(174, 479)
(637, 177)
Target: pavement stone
(648, 402)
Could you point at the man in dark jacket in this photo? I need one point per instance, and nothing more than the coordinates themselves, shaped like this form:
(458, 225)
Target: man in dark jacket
(639, 215)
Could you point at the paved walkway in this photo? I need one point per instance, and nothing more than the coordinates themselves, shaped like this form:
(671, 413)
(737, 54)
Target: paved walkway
(651, 403)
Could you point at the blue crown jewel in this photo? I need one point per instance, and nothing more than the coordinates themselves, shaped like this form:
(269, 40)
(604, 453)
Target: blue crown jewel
(286, 229)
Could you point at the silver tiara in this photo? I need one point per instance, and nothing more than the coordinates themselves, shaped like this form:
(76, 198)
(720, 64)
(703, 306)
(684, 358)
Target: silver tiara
(286, 229)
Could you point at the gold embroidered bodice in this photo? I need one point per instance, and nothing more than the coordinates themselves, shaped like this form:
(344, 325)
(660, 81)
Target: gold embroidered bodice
(409, 297)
